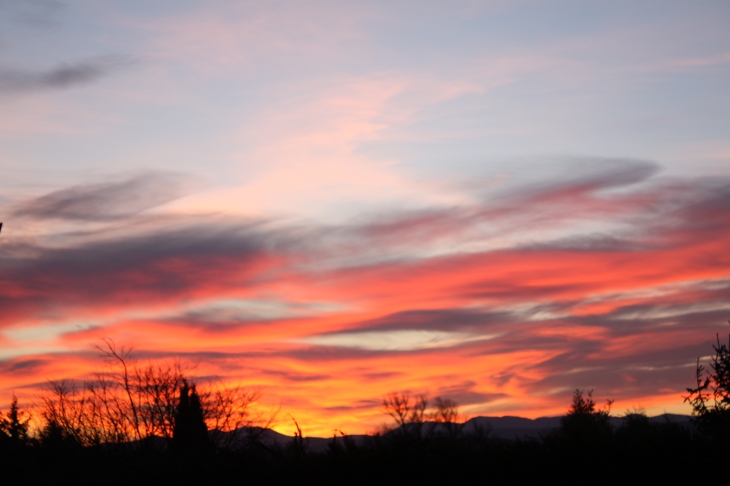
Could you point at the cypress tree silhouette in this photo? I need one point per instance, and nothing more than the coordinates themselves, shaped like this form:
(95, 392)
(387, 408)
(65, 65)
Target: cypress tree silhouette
(190, 431)
(15, 424)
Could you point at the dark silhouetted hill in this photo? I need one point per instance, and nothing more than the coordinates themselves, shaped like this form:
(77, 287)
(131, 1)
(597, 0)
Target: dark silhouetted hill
(511, 428)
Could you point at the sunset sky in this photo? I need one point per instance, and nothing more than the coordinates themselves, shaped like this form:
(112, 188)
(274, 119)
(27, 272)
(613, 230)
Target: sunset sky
(491, 201)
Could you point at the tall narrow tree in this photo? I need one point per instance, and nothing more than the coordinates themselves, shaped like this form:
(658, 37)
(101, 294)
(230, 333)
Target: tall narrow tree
(190, 431)
(15, 424)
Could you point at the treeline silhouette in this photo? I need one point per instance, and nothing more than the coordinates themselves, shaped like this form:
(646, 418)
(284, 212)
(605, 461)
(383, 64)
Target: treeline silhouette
(134, 424)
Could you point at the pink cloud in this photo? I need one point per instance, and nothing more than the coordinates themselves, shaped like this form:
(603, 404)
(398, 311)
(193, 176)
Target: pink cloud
(312, 312)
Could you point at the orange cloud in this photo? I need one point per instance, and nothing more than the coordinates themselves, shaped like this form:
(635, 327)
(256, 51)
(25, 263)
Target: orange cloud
(326, 320)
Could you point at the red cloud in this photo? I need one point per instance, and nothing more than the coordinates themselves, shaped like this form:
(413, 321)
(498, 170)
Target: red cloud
(625, 313)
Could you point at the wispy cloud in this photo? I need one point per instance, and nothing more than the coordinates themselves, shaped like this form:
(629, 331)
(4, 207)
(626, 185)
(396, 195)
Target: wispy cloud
(107, 201)
(60, 77)
(286, 303)
(34, 13)
(404, 340)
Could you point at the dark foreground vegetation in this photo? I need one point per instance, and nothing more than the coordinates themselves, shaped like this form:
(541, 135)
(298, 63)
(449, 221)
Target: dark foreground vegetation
(147, 425)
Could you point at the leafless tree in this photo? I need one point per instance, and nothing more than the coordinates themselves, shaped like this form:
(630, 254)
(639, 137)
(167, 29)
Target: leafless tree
(409, 413)
(446, 413)
(232, 417)
(131, 403)
(63, 413)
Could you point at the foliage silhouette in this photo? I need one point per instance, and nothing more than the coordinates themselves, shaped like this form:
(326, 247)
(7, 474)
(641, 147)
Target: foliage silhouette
(88, 432)
(640, 450)
(190, 431)
(15, 424)
(584, 423)
(710, 398)
(583, 410)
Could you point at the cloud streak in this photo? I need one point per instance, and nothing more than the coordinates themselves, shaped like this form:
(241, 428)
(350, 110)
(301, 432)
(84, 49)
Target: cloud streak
(507, 304)
(102, 202)
(62, 76)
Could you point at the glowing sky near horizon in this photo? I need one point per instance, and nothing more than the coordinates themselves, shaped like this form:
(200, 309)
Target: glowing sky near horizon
(496, 202)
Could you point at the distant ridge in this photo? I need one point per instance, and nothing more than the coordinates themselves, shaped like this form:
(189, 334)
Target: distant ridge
(501, 428)
(509, 427)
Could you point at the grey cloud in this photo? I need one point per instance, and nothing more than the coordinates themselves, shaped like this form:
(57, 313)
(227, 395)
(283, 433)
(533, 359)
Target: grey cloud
(441, 320)
(139, 268)
(653, 316)
(639, 370)
(137, 252)
(507, 290)
(294, 376)
(62, 76)
(707, 210)
(357, 405)
(22, 365)
(464, 394)
(569, 196)
(516, 206)
(102, 202)
(381, 376)
(333, 353)
(622, 376)
(621, 172)
(591, 174)
(223, 360)
(34, 13)
(594, 242)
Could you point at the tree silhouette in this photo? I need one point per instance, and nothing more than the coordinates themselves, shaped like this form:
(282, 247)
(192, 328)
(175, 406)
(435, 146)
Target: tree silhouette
(446, 413)
(15, 424)
(584, 424)
(710, 399)
(409, 413)
(135, 404)
(190, 431)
